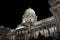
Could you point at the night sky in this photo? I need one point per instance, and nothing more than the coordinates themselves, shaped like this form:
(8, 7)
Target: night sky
(11, 11)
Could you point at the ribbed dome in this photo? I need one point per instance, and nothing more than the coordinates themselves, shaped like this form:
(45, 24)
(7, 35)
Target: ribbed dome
(30, 11)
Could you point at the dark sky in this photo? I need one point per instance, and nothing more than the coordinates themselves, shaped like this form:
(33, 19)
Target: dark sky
(12, 11)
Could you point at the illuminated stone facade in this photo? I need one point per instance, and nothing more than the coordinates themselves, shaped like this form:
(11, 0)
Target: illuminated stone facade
(29, 26)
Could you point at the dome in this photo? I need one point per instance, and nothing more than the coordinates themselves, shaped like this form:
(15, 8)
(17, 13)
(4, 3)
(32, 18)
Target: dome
(30, 11)
(29, 15)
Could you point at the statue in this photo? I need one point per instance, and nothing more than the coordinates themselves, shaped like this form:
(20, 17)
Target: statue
(55, 10)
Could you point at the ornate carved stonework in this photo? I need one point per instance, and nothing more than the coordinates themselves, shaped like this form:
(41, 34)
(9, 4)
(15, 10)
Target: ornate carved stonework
(46, 27)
